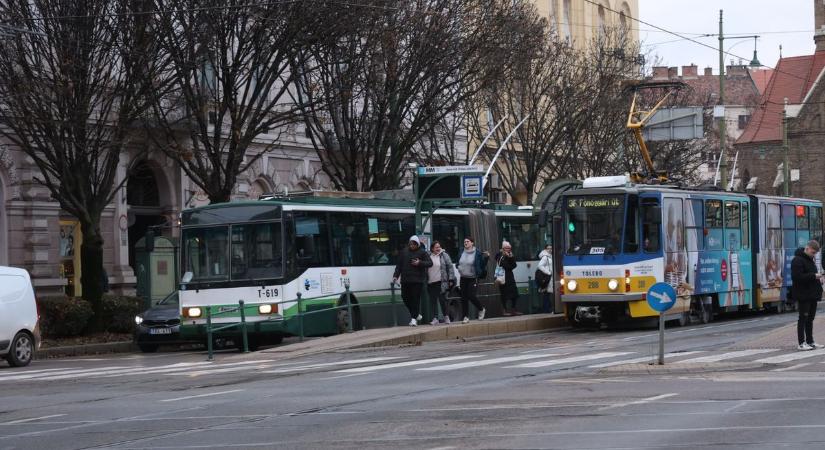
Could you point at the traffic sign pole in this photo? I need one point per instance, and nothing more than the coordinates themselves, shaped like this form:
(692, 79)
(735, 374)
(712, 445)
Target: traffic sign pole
(661, 297)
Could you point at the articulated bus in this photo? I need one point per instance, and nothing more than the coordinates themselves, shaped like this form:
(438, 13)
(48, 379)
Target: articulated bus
(265, 252)
(721, 251)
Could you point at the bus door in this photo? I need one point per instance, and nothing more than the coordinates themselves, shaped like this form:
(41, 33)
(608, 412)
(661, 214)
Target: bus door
(484, 229)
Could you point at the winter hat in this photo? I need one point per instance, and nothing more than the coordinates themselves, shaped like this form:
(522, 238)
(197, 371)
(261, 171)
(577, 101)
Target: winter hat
(415, 239)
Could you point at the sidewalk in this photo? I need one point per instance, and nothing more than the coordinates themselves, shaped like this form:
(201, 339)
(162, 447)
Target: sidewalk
(378, 337)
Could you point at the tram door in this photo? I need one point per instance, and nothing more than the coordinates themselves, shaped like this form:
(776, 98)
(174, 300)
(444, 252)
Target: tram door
(484, 228)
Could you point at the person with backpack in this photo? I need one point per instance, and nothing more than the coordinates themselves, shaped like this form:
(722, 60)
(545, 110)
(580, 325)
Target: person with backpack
(544, 278)
(472, 266)
(807, 291)
(412, 265)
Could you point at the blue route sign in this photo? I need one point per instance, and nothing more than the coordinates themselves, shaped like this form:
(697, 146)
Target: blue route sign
(661, 296)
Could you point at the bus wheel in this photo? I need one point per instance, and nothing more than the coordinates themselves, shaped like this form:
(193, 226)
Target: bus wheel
(251, 342)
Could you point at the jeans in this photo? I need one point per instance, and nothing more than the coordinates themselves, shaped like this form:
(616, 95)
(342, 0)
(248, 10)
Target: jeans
(411, 294)
(468, 295)
(805, 326)
(436, 296)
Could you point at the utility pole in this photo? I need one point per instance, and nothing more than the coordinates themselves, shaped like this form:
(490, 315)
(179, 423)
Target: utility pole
(786, 163)
(723, 164)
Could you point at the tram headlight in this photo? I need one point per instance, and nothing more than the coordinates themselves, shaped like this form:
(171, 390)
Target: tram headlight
(264, 309)
(193, 312)
(572, 285)
(613, 284)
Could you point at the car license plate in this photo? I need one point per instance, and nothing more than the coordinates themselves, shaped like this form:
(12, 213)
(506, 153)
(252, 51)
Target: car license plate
(160, 331)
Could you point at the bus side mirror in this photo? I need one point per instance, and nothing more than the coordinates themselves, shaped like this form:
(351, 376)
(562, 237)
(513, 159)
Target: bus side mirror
(186, 278)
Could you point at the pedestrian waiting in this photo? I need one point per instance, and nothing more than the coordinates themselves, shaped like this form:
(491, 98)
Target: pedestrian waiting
(806, 289)
(544, 279)
(506, 281)
(411, 267)
(440, 279)
(472, 265)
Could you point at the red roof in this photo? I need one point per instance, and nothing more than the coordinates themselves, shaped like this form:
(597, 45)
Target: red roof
(792, 79)
(761, 77)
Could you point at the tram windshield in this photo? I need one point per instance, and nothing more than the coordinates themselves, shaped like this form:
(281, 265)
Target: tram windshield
(238, 252)
(594, 224)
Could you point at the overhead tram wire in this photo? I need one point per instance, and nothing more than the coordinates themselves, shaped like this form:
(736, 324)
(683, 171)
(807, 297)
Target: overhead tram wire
(716, 49)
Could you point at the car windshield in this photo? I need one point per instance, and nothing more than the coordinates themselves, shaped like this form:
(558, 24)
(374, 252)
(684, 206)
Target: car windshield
(170, 300)
(594, 224)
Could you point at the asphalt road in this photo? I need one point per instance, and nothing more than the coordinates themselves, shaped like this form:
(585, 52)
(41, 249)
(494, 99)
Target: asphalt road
(728, 384)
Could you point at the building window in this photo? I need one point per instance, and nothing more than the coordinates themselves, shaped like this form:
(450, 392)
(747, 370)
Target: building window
(743, 121)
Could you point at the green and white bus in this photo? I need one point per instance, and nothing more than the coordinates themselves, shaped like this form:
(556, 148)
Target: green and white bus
(265, 252)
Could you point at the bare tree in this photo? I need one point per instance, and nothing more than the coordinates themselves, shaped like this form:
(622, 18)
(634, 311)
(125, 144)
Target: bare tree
(371, 97)
(229, 77)
(72, 79)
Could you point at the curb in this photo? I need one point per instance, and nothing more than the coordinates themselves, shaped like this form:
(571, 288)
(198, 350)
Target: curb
(654, 369)
(83, 350)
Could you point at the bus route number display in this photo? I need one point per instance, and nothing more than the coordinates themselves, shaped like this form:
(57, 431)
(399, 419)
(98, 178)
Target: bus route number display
(594, 202)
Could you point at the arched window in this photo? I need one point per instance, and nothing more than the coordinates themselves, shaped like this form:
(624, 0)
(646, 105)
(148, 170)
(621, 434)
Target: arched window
(566, 22)
(142, 187)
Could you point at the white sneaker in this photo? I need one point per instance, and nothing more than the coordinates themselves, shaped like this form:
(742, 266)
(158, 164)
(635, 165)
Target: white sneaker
(419, 318)
(413, 323)
(815, 345)
(466, 320)
(435, 321)
(446, 320)
(482, 313)
(804, 346)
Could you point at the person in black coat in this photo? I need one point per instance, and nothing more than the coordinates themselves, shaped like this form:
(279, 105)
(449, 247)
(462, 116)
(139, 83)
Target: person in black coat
(507, 291)
(807, 291)
(412, 265)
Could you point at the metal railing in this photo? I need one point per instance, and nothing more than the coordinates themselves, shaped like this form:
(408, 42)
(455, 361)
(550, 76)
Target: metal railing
(210, 330)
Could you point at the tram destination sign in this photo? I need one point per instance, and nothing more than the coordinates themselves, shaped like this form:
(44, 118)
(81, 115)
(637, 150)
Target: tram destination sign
(594, 202)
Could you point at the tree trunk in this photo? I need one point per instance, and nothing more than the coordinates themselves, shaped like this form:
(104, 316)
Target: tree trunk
(91, 276)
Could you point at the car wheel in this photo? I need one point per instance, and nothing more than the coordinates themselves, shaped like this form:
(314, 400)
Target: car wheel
(148, 348)
(22, 350)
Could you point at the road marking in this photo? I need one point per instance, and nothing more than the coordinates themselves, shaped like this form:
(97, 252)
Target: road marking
(330, 364)
(13, 422)
(488, 362)
(785, 369)
(408, 363)
(788, 357)
(728, 355)
(211, 394)
(345, 376)
(30, 372)
(570, 360)
(198, 373)
(39, 376)
(129, 371)
(638, 360)
(639, 402)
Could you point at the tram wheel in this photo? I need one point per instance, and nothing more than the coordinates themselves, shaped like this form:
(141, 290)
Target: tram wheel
(706, 314)
(780, 307)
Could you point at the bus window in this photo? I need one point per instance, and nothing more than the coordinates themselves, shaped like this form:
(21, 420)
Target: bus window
(714, 239)
(803, 232)
(651, 219)
(388, 233)
(522, 233)
(694, 220)
(348, 232)
(256, 251)
(205, 252)
(774, 224)
(789, 226)
(733, 225)
(311, 240)
(816, 223)
(631, 227)
(746, 228)
(676, 260)
(450, 232)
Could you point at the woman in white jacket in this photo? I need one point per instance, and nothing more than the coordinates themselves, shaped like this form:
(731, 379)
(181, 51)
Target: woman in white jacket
(546, 267)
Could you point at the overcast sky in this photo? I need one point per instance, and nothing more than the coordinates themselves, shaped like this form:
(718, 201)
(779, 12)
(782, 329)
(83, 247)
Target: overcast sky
(786, 22)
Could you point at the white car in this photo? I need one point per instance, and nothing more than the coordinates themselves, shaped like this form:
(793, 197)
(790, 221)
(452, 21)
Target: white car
(19, 332)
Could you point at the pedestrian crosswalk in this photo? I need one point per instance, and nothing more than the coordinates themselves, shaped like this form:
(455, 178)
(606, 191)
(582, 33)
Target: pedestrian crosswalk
(547, 360)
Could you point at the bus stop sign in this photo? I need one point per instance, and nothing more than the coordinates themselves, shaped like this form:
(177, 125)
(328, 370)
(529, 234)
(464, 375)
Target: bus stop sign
(661, 296)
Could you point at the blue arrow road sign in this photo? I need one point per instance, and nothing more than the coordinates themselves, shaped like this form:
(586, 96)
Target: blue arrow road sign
(661, 296)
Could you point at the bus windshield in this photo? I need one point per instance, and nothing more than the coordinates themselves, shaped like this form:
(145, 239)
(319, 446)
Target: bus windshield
(594, 224)
(250, 251)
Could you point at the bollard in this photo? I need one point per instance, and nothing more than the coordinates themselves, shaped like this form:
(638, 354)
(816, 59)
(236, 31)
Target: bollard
(392, 304)
(300, 319)
(349, 307)
(209, 333)
(531, 294)
(243, 328)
